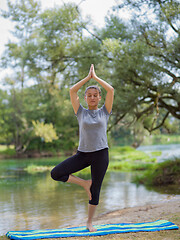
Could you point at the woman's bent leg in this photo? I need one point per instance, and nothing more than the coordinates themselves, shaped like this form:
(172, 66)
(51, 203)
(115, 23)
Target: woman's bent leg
(86, 184)
(63, 171)
(71, 165)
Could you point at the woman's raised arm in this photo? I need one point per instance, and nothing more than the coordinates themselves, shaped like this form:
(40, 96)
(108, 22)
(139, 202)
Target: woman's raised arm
(109, 89)
(74, 89)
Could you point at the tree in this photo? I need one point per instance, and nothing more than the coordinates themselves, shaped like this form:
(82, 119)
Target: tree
(5, 133)
(140, 58)
(145, 70)
(16, 57)
(39, 57)
(17, 52)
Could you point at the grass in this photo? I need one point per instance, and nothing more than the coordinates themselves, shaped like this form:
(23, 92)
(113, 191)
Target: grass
(130, 154)
(156, 153)
(126, 166)
(164, 173)
(7, 150)
(129, 159)
(32, 169)
(121, 159)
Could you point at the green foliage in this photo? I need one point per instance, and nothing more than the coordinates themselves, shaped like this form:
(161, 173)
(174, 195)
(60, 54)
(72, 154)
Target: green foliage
(7, 150)
(32, 169)
(40, 55)
(164, 173)
(144, 71)
(157, 139)
(130, 154)
(121, 159)
(156, 154)
(50, 52)
(45, 131)
(129, 159)
(122, 150)
(126, 166)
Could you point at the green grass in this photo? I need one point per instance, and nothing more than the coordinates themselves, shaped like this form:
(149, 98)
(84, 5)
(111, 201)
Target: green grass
(32, 169)
(7, 150)
(164, 173)
(156, 153)
(126, 166)
(129, 159)
(121, 159)
(130, 154)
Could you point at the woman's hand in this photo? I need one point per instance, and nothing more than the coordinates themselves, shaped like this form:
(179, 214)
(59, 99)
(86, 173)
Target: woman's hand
(90, 72)
(93, 71)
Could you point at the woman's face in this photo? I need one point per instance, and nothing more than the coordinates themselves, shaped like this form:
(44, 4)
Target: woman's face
(92, 98)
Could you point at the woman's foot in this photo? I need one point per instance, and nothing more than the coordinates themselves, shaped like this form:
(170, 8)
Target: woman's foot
(91, 228)
(87, 187)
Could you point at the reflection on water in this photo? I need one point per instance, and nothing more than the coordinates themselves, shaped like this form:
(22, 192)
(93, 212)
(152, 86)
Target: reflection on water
(37, 202)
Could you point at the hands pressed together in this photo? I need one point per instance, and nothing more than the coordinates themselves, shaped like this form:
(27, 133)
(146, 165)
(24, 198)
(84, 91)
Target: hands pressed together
(92, 73)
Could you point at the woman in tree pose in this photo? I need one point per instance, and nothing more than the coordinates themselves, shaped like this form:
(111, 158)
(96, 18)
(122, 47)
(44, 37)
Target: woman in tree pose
(93, 146)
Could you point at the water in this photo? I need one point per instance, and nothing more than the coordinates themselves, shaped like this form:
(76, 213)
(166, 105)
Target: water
(35, 201)
(169, 151)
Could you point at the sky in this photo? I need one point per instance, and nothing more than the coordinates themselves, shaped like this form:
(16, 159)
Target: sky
(97, 9)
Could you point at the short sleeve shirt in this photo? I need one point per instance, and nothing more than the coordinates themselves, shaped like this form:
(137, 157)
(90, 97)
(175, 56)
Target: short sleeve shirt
(92, 129)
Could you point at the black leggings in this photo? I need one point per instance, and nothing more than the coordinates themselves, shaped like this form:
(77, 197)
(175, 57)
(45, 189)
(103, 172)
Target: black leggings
(98, 161)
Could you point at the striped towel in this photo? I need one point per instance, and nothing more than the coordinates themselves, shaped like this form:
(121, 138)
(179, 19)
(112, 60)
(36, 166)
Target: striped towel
(101, 230)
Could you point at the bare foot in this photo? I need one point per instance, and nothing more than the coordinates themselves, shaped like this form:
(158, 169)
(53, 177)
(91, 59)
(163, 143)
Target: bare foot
(91, 228)
(87, 188)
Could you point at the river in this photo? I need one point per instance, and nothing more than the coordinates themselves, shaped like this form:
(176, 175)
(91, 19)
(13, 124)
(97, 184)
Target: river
(35, 201)
(169, 151)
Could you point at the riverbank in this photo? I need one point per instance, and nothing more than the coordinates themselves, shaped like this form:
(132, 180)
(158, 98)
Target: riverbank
(167, 210)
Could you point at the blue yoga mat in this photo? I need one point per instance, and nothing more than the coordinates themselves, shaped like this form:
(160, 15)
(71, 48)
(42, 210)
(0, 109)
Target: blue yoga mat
(101, 230)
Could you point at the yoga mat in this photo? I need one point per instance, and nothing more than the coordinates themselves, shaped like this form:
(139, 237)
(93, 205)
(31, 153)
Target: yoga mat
(101, 230)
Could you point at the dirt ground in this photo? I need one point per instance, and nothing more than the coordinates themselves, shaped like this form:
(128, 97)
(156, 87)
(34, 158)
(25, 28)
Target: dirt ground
(166, 210)
(145, 213)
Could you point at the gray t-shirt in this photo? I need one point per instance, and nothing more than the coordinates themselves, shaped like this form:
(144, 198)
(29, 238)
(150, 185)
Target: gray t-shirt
(92, 129)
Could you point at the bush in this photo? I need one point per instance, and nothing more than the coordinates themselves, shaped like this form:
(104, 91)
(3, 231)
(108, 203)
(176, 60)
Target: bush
(164, 173)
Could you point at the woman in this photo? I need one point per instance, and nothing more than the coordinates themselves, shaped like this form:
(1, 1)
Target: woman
(93, 146)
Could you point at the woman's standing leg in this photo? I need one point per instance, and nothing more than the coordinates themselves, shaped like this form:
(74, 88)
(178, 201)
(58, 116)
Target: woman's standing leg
(91, 213)
(99, 166)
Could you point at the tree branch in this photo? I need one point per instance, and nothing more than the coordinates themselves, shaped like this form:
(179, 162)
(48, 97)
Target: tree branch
(92, 34)
(160, 125)
(173, 110)
(147, 40)
(165, 70)
(116, 122)
(166, 59)
(167, 18)
(148, 109)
